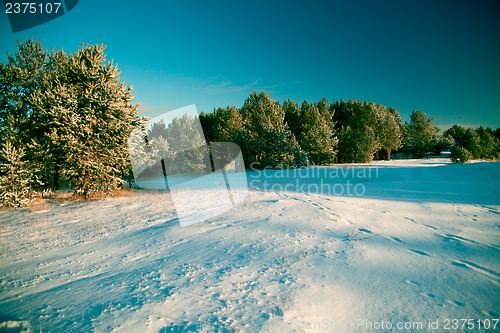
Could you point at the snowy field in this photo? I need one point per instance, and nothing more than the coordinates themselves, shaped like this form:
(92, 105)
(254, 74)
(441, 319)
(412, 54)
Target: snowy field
(390, 246)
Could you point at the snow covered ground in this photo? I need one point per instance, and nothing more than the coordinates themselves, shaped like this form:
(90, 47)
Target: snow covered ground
(388, 246)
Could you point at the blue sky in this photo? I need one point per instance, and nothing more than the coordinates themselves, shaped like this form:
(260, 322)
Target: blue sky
(440, 57)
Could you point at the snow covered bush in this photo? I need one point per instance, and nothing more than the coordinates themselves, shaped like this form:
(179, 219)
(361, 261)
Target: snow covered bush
(18, 181)
(460, 154)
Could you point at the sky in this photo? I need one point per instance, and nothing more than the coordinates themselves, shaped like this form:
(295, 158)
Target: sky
(439, 57)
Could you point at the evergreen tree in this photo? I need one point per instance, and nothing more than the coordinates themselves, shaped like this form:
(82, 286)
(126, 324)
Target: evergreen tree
(471, 141)
(443, 142)
(316, 136)
(496, 133)
(25, 74)
(145, 150)
(222, 125)
(460, 155)
(456, 132)
(267, 138)
(89, 116)
(325, 110)
(20, 76)
(420, 135)
(388, 130)
(187, 146)
(293, 117)
(480, 143)
(18, 179)
(355, 122)
(488, 143)
(209, 122)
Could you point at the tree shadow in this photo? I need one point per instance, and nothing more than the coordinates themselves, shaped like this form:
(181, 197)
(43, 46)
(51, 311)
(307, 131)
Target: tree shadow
(475, 183)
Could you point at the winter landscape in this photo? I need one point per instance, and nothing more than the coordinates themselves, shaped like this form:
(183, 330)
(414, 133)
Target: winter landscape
(250, 166)
(416, 248)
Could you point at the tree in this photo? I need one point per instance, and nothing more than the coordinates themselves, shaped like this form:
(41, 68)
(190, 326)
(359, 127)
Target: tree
(293, 117)
(87, 116)
(355, 122)
(480, 143)
(18, 182)
(460, 155)
(488, 143)
(316, 136)
(388, 129)
(420, 135)
(466, 138)
(19, 78)
(266, 138)
(443, 142)
(187, 147)
(144, 149)
(456, 132)
(23, 75)
(496, 133)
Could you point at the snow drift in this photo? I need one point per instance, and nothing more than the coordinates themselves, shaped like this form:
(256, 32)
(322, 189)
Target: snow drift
(416, 246)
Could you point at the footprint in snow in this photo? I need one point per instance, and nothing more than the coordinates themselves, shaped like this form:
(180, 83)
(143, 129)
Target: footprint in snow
(428, 295)
(422, 253)
(396, 239)
(430, 226)
(451, 237)
(413, 283)
(456, 303)
(493, 211)
(491, 275)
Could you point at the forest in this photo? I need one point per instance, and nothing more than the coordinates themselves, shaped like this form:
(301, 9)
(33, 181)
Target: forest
(66, 120)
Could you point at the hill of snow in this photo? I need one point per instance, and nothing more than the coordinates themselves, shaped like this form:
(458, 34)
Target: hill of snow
(414, 245)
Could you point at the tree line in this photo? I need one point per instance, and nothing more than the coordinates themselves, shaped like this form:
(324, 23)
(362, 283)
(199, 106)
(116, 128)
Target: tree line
(66, 121)
(322, 133)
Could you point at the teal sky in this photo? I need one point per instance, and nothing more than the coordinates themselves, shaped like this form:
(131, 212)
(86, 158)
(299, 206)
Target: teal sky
(440, 57)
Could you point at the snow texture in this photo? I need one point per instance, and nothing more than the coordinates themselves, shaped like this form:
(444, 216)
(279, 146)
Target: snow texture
(417, 242)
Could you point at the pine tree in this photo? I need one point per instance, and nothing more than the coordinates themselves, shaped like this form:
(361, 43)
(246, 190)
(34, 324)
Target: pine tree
(480, 143)
(388, 129)
(18, 178)
(356, 123)
(443, 142)
(460, 155)
(420, 135)
(326, 111)
(138, 151)
(293, 117)
(222, 125)
(89, 115)
(19, 78)
(488, 143)
(187, 146)
(266, 138)
(316, 138)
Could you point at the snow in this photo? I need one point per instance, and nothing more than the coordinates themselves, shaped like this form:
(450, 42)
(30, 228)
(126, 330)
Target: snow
(418, 242)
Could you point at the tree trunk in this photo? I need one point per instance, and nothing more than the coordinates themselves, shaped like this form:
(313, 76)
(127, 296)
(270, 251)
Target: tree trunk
(388, 154)
(55, 183)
